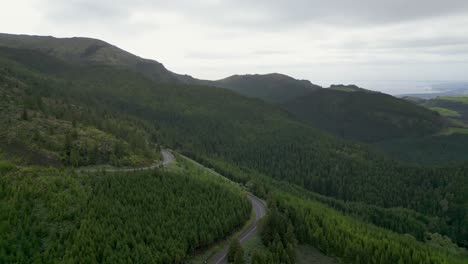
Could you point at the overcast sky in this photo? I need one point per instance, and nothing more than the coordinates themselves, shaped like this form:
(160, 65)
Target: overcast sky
(323, 41)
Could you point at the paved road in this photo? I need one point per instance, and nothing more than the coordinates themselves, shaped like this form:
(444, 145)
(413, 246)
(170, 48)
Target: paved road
(167, 159)
(260, 211)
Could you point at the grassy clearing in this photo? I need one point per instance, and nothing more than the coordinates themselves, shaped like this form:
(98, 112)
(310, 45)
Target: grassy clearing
(455, 130)
(458, 99)
(445, 112)
(255, 243)
(307, 254)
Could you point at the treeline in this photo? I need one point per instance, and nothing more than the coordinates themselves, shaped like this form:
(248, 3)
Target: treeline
(397, 219)
(277, 233)
(353, 241)
(51, 215)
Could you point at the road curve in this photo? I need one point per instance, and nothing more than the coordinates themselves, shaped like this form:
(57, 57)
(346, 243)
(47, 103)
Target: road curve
(168, 157)
(260, 211)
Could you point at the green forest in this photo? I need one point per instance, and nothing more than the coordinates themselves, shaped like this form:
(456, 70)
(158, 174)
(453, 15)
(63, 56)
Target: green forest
(57, 216)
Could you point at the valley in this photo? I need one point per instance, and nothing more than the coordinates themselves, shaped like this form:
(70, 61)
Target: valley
(86, 175)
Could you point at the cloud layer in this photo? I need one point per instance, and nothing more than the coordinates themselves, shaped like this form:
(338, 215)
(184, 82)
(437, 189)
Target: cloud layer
(311, 39)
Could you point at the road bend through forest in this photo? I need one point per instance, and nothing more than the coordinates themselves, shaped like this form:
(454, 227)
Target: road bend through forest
(260, 210)
(258, 205)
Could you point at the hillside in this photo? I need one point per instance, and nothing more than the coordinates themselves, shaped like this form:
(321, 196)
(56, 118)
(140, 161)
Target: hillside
(272, 87)
(51, 215)
(93, 51)
(455, 107)
(446, 146)
(351, 119)
(42, 131)
(347, 111)
(364, 116)
(254, 143)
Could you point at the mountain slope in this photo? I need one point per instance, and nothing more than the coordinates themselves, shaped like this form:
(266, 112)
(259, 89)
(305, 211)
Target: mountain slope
(455, 107)
(364, 116)
(272, 87)
(217, 124)
(54, 216)
(92, 51)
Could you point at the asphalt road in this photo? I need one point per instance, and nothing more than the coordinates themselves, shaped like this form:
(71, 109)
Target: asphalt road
(167, 159)
(260, 211)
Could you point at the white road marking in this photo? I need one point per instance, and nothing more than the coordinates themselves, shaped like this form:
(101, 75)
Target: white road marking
(246, 235)
(221, 259)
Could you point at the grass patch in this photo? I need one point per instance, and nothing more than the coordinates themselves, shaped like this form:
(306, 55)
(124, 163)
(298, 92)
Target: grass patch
(445, 112)
(255, 243)
(458, 99)
(455, 130)
(6, 166)
(307, 254)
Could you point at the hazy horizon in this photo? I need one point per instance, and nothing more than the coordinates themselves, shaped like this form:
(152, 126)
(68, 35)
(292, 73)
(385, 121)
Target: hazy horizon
(313, 40)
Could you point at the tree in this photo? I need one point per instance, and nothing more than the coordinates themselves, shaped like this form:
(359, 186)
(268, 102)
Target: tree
(239, 257)
(24, 115)
(235, 253)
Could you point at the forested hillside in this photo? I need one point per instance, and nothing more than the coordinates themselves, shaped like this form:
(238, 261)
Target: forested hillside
(455, 107)
(364, 116)
(44, 130)
(93, 51)
(274, 87)
(221, 127)
(51, 215)
(446, 146)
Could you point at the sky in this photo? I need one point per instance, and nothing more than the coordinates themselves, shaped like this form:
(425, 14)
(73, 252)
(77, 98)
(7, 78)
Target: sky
(333, 41)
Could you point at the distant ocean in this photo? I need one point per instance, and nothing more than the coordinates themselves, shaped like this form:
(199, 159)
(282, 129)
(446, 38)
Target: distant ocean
(402, 86)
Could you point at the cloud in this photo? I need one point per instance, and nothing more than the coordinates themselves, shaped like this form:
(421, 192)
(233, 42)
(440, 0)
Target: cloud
(308, 39)
(265, 14)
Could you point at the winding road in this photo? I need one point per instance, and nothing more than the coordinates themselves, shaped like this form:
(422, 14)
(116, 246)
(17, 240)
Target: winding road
(258, 205)
(168, 157)
(260, 211)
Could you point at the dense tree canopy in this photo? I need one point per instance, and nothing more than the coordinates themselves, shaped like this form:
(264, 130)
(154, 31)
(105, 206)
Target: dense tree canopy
(51, 215)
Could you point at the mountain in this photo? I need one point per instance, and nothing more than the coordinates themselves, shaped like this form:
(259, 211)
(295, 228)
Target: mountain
(348, 88)
(92, 51)
(365, 116)
(348, 111)
(272, 87)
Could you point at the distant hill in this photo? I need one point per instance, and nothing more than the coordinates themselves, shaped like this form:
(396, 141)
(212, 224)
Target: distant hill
(364, 116)
(455, 107)
(92, 51)
(272, 87)
(348, 88)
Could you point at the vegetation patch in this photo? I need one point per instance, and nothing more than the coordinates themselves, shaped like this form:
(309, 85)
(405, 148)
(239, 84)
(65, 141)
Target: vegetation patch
(445, 112)
(307, 254)
(141, 217)
(458, 99)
